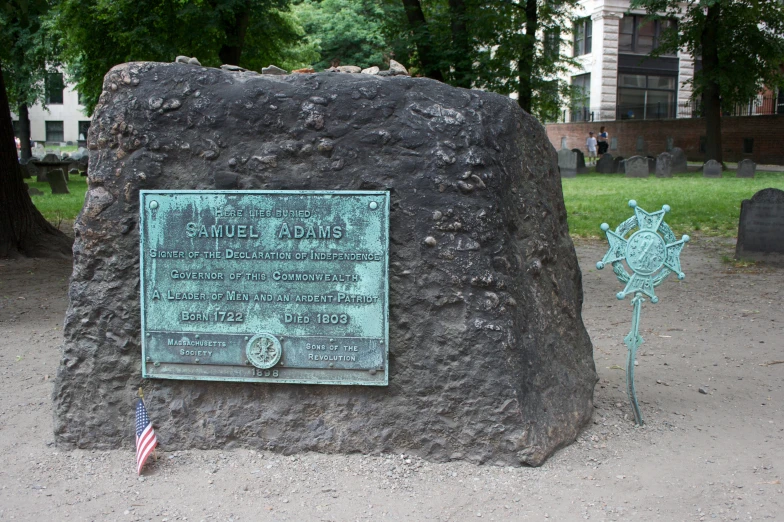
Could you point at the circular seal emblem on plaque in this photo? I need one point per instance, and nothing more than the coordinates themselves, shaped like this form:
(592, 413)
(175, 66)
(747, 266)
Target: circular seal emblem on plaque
(263, 350)
(645, 252)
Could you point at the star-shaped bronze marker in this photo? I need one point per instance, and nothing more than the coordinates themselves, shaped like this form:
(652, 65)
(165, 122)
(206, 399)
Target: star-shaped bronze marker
(651, 253)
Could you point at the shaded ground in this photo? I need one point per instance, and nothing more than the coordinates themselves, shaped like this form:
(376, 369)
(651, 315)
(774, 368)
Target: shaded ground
(717, 455)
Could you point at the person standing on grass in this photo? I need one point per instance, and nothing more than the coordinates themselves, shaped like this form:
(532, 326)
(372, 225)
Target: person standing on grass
(590, 144)
(603, 140)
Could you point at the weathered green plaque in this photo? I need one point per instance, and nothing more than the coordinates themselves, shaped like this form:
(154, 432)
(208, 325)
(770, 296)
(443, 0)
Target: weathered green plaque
(265, 286)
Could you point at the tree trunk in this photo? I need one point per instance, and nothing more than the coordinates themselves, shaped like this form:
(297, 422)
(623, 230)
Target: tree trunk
(236, 27)
(461, 45)
(24, 132)
(525, 66)
(711, 97)
(23, 230)
(422, 39)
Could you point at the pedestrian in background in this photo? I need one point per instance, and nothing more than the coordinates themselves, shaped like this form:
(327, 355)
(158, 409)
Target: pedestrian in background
(603, 141)
(590, 144)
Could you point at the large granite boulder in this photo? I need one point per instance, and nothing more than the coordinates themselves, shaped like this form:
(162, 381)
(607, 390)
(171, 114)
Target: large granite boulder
(489, 358)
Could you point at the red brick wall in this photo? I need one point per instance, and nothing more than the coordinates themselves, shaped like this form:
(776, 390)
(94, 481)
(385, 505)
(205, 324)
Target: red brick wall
(767, 131)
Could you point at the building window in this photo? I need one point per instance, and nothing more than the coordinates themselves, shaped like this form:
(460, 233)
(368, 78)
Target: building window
(84, 126)
(640, 35)
(54, 88)
(552, 43)
(646, 97)
(582, 33)
(581, 97)
(54, 131)
(748, 145)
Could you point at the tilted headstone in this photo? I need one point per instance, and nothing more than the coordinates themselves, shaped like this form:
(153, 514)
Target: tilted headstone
(711, 169)
(619, 166)
(746, 168)
(761, 227)
(581, 168)
(664, 165)
(679, 164)
(57, 181)
(605, 164)
(488, 364)
(567, 163)
(637, 167)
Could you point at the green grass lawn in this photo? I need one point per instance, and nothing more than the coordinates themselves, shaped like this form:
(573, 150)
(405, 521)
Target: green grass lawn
(699, 205)
(60, 207)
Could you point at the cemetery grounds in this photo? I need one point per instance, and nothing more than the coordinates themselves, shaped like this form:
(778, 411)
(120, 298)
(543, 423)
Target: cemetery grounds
(710, 383)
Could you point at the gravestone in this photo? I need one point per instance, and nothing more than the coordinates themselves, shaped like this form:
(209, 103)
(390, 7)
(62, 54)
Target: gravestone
(640, 145)
(761, 227)
(619, 166)
(746, 168)
(486, 362)
(679, 160)
(49, 162)
(605, 164)
(33, 191)
(567, 163)
(581, 168)
(637, 167)
(664, 165)
(711, 169)
(72, 172)
(56, 179)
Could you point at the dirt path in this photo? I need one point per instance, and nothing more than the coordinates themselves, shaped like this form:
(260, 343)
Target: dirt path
(717, 455)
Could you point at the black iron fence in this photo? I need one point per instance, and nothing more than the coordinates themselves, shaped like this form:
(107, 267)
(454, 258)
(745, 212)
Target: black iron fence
(759, 106)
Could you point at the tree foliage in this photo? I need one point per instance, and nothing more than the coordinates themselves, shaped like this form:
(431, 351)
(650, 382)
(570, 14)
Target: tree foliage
(350, 32)
(99, 34)
(741, 44)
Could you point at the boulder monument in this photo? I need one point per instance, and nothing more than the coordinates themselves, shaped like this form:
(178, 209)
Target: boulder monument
(489, 358)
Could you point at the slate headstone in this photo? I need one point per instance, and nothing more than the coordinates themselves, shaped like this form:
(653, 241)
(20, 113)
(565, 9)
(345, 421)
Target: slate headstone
(605, 164)
(679, 160)
(746, 168)
(487, 299)
(33, 191)
(664, 165)
(567, 163)
(761, 227)
(637, 167)
(618, 165)
(711, 169)
(56, 180)
(581, 168)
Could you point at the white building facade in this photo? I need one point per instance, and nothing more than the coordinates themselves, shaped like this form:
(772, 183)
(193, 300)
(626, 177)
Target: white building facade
(63, 120)
(610, 43)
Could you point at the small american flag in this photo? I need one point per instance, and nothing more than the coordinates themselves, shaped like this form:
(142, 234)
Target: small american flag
(145, 436)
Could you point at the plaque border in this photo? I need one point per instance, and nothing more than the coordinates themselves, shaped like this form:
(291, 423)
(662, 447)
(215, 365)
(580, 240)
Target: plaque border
(144, 193)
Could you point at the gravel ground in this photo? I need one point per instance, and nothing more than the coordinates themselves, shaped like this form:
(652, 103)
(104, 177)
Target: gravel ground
(709, 380)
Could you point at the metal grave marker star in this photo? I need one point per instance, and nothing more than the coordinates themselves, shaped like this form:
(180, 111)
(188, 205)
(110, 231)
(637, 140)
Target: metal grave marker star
(651, 253)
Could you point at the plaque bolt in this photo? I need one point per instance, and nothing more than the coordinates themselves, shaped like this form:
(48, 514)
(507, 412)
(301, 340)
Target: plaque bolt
(197, 360)
(381, 341)
(331, 365)
(332, 340)
(197, 336)
(148, 335)
(153, 204)
(156, 364)
(373, 205)
(372, 372)
(149, 359)
(246, 337)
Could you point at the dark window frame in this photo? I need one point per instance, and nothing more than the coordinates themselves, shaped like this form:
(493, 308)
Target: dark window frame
(582, 36)
(622, 111)
(581, 110)
(50, 132)
(83, 125)
(55, 87)
(637, 22)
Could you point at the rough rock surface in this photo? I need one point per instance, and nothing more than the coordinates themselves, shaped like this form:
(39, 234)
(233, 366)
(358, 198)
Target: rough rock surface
(489, 358)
